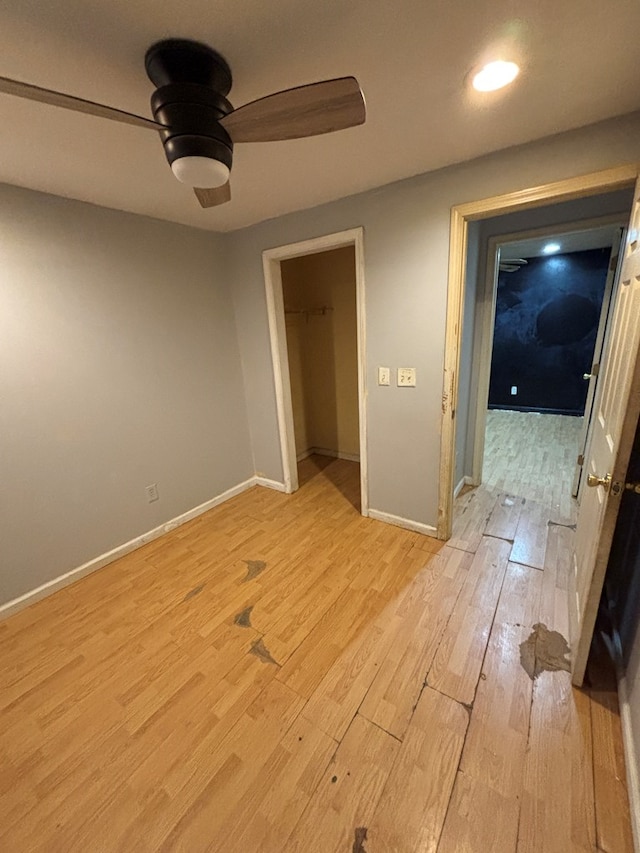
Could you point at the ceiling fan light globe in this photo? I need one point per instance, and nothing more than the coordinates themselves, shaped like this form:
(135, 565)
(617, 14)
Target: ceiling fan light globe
(201, 172)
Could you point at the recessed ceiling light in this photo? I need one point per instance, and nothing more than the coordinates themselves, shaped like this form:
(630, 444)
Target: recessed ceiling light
(495, 75)
(550, 248)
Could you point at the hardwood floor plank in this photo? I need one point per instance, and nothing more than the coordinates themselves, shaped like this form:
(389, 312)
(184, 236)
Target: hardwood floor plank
(558, 562)
(338, 696)
(340, 693)
(496, 744)
(557, 811)
(347, 796)
(207, 797)
(532, 455)
(289, 621)
(411, 811)
(613, 827)
(323, 645)
(456, 666)
(479, 819)
(530, 541)
(266, 815)
(473, 510)
(611, 797)
(136, 717)
(505, 515)
(394, 691)
(492, 761)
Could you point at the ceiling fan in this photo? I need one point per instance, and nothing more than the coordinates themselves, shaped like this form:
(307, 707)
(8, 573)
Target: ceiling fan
(512, 264)
(197, 124)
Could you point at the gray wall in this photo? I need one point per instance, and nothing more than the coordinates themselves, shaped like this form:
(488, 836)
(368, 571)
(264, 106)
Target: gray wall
(119, 367)
(479, 235)
(406, 259)
(128, 348)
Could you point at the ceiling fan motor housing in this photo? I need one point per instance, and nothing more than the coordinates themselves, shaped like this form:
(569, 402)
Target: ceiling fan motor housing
(192, 81)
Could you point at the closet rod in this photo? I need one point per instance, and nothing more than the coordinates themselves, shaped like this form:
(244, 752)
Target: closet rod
(309, 311)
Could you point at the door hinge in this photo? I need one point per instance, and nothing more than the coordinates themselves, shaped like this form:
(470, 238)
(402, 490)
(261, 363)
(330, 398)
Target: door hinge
(580, 459)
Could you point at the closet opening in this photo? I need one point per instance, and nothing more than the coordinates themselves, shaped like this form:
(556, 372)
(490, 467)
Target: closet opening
(315, 300)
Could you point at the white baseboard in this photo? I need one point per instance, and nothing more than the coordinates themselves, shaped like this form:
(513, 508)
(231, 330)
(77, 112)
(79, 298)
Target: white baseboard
(336, 454)
(110, 556)
(323, 451)
(407, 523)
(270, 484)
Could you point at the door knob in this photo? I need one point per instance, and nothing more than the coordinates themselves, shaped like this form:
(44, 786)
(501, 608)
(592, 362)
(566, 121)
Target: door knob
(593, 480)
(587, 375)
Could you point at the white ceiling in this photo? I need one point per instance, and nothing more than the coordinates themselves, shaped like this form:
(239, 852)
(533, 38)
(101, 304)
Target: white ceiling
(579, 57)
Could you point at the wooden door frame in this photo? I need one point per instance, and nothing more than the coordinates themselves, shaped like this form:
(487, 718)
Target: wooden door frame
(486, 322)
(582, 186)
(271, 260)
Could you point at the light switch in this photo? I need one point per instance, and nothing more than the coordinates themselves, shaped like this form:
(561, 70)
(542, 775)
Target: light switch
(406, 377)
(384, 376)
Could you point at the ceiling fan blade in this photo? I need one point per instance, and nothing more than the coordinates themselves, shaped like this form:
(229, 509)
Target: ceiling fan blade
(294, 113)
(213, 197)
(69, 102)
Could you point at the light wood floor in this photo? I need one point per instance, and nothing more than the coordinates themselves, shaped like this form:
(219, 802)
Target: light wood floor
(282, 674)
(532, 455)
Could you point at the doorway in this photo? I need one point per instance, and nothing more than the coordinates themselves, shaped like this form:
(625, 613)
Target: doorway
(315, 300)
(617, 401)
(547, 297)
(468, 366)
(319, 293)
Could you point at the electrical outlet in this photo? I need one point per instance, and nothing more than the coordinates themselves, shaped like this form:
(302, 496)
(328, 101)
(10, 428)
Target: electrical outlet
(406, 377)
(514, 390)
(152, 492)
(384, 376)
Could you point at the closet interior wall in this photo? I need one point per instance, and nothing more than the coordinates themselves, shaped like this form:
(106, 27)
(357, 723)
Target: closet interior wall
(320, 313)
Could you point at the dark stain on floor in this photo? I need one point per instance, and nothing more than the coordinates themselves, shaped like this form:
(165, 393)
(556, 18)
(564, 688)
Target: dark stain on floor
(259, 649)
(254, 567)
(193, 592)
(360, 838)
(544, 650)
(244, 617)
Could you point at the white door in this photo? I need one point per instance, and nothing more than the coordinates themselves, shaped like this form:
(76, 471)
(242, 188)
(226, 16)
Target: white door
(616, 410)
(592, 377)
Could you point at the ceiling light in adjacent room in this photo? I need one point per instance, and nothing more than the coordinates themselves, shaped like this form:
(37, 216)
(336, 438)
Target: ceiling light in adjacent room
(551, 248)
(495, 75)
